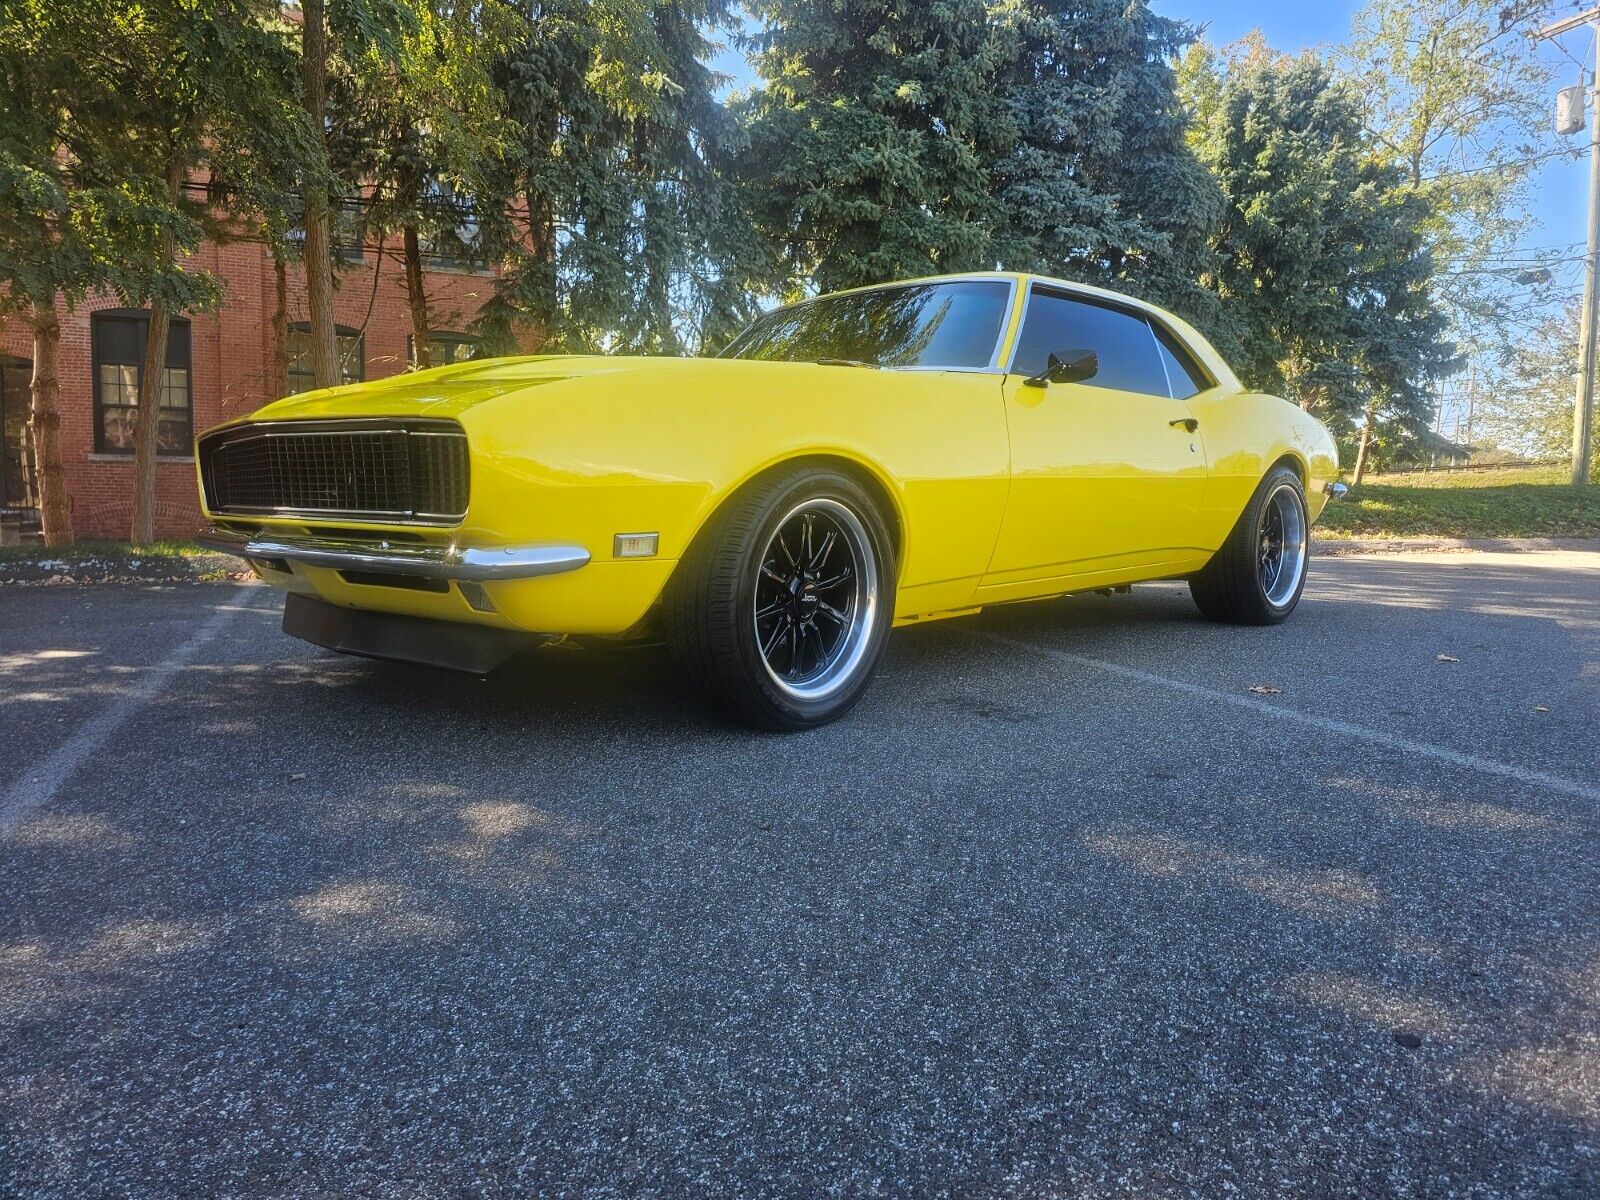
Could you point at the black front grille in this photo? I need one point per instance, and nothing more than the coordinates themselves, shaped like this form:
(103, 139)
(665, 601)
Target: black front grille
(381, 471)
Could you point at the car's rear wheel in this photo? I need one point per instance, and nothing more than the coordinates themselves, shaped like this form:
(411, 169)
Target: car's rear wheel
(1257, 576)
(780, 611)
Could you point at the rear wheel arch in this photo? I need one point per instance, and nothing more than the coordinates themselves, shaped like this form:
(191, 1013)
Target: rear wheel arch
(1295, 463)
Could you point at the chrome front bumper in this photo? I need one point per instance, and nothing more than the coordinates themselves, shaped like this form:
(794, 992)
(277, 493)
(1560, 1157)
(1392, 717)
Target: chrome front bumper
(400, 558)
(1335, 491)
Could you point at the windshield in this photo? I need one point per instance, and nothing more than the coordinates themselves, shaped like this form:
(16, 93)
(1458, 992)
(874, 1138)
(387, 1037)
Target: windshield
(941, 325)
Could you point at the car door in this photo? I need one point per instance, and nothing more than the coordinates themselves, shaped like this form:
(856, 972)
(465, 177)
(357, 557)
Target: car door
(1105, 473)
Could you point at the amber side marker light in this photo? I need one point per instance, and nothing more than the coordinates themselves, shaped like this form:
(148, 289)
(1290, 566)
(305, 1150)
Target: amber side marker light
(635, 545)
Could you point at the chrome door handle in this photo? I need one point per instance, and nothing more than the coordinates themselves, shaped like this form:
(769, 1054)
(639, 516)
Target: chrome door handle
(1188, 423)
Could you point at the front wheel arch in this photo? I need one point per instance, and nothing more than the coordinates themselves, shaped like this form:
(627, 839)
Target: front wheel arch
(707, 609)
(870, 480)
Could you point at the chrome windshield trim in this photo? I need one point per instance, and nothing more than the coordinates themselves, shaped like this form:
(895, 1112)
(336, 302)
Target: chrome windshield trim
(473, 564)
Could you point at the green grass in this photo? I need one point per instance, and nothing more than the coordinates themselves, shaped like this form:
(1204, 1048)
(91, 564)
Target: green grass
(103, 551)
(1514, 502)
(1485, 477)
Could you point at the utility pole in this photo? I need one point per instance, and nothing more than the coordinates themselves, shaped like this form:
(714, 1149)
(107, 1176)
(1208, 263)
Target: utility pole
(1583, 411)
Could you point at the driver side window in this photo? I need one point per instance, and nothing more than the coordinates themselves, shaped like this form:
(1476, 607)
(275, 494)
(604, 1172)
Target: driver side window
(1130, 359)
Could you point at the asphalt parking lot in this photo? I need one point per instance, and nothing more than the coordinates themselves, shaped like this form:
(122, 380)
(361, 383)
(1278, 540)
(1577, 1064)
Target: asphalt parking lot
(1065, 908)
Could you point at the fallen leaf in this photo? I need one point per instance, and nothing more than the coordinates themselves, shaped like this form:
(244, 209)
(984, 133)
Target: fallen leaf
(1445, 658)
(1265, 689)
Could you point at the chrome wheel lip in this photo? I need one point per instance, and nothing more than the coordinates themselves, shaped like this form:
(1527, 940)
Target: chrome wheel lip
(1282, 545)
(845, 659)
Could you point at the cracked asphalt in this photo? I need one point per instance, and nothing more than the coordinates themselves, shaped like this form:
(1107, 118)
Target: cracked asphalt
(1064, 909)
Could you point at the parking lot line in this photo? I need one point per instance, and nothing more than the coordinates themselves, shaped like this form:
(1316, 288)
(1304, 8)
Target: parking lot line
(40, 784)
(1443, 754)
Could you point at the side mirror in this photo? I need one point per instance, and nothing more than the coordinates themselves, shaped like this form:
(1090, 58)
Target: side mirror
(1072, 367)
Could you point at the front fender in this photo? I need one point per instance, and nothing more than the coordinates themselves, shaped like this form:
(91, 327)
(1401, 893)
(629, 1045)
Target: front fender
(659, 449)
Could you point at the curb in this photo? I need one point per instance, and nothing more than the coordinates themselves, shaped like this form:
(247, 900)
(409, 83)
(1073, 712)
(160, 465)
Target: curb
(1338, 546)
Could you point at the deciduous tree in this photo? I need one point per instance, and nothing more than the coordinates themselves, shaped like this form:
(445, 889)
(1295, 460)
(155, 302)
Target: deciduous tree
(203, 101)
(428, 134)
(1322, 253)
(337, 37)
(1455, 94)
(80, 211)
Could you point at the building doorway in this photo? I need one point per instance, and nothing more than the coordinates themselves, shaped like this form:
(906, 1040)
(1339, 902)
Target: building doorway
(16, 452)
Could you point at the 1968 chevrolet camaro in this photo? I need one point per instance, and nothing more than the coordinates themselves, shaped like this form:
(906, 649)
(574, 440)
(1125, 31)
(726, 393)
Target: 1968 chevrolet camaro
(876, 457)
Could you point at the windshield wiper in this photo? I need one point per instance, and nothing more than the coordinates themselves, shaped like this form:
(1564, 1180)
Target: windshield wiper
(845, 362)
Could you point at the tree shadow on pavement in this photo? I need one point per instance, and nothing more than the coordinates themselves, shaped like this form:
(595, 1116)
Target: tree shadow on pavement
(362, 930)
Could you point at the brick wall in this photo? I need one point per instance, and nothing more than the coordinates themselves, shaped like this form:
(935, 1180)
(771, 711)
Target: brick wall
(231, 364)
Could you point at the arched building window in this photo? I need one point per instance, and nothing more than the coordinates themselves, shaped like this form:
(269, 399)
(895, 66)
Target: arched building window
(352, 357)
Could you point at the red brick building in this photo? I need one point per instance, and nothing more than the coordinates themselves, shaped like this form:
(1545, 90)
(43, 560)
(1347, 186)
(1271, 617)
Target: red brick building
(218, 365)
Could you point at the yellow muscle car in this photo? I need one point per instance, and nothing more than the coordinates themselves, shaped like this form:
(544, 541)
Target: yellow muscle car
(864, 459)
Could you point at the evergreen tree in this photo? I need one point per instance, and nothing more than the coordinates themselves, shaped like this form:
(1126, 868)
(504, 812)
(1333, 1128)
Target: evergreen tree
(873, 137)
(1100, 184)
(1321, 255)
(633, 237)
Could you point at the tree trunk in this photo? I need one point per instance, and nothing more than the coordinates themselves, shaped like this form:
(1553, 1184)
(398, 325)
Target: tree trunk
(325, 370)
(421, 352)
(280, 328)
(147, 424)
(44, 427)
(542, 248)
(152, 378)
(1360, 471)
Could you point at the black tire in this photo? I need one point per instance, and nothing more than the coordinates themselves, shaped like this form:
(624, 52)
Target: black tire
(711, 619)
(1236, 586)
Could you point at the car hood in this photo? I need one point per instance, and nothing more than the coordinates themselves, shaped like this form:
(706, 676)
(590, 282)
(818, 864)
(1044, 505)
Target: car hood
(449, 391)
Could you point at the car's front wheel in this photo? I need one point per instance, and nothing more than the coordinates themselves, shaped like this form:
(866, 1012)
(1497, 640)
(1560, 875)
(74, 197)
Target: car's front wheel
(1257, 576)
(780, 611)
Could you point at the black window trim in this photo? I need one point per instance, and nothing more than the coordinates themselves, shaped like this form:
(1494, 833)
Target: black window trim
(97, 320)
(1180, 345)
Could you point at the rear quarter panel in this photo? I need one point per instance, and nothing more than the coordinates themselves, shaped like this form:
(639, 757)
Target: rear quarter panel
(1245, 434)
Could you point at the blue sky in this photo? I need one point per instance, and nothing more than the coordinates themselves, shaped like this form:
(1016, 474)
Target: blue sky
(1561, 187)
(1291, 25)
